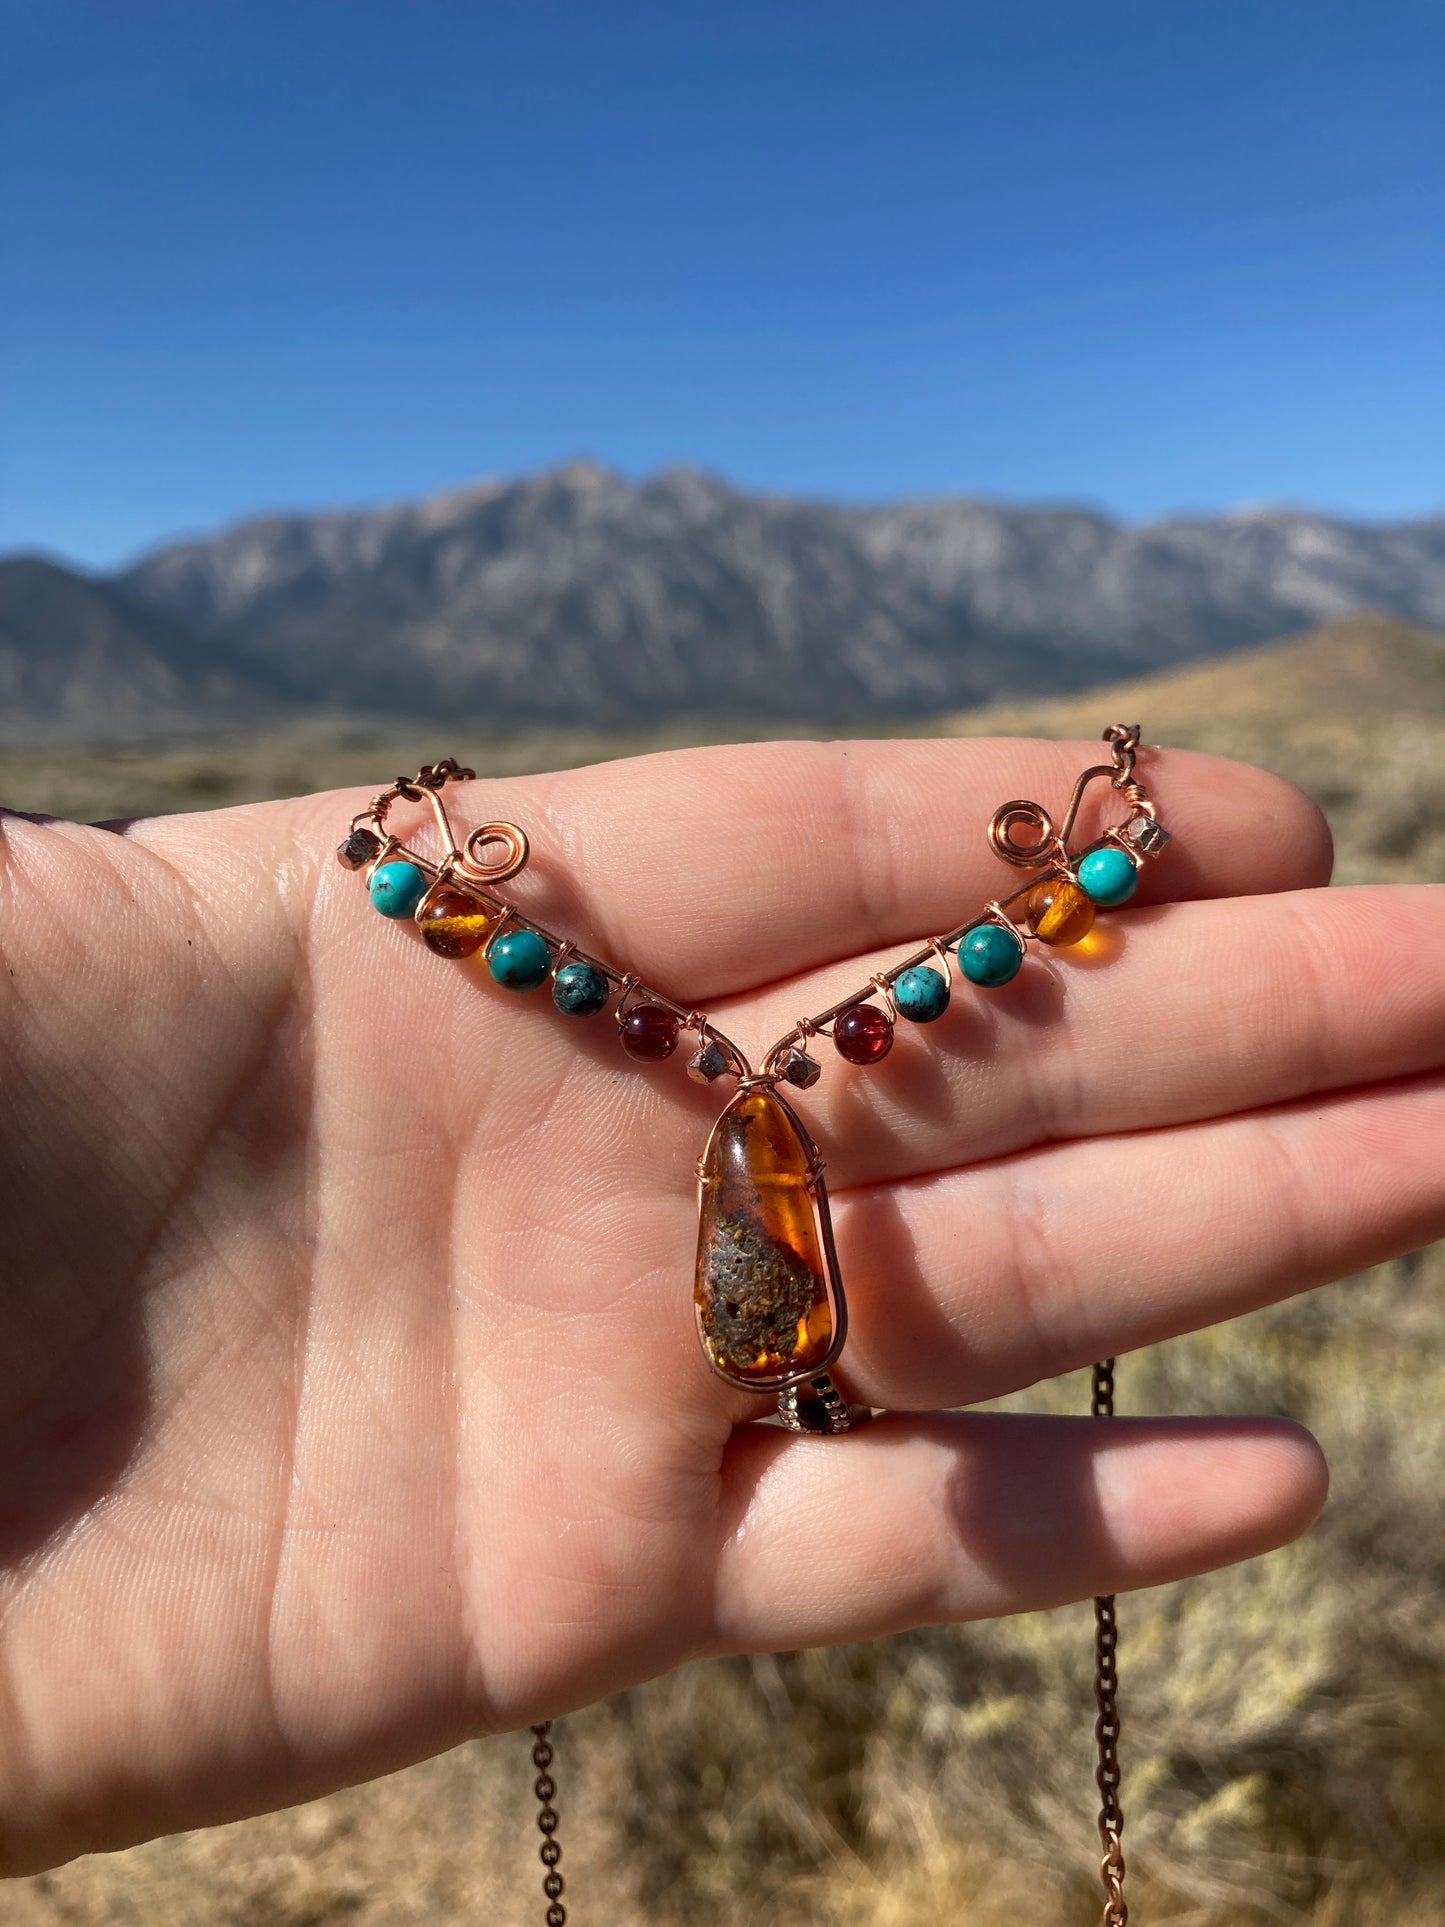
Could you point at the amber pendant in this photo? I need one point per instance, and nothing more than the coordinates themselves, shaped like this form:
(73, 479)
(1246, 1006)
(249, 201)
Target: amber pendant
(769, 1300)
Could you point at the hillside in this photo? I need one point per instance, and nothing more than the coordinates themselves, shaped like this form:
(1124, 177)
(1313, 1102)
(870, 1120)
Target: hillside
(1306, 705)
(1365, 670)
(78, 660)
(577, 598)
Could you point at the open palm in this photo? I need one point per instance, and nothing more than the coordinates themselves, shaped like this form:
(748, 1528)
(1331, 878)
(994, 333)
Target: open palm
(352, 1402)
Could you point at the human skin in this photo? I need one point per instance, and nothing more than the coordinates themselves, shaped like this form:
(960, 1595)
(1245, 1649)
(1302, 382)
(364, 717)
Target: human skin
(352, 1402)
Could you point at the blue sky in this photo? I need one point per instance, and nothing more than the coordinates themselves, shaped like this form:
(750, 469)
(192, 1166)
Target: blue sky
(1153, 256)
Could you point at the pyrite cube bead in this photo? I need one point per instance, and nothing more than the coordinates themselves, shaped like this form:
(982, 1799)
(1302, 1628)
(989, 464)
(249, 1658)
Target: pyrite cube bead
(707, 1064)
(989, 954)
(649, 1033)
(580, 990)
(1145, 834)
(1059, 912)
(1107, 875)
(801, 1070)
(397, 888)
(864, 1034)
(519, 959)
(357, 848)
(921, 994)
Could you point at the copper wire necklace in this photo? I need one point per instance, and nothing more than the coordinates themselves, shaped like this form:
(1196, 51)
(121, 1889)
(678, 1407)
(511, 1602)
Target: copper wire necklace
(768, 1296)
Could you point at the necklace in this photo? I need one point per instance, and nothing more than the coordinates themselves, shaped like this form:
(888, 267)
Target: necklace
(768, 1296)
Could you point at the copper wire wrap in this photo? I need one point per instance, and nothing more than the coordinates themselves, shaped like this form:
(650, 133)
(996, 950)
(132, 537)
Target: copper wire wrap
(1027, 856)
(1022, 834)
(470, 864)
(465, 868)
(1046, 855)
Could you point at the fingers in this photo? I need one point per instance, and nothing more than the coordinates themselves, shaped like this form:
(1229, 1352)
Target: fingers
(927, 1520)
(714, 870)
(1184, 1012)
(824, 850)
(966, 1286)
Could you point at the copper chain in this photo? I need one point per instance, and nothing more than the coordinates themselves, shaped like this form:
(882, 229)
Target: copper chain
(1106, 1732)
(550, 1851)
(1106, 1726)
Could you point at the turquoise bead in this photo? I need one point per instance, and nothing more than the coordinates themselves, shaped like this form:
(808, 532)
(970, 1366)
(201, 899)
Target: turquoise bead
(519, 959)
(990, 954)
(580, 990)
(1107, 875)
(397, 888)
(921, 994)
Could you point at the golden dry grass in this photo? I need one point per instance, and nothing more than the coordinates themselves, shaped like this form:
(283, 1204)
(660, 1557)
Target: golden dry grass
(1285, 1721)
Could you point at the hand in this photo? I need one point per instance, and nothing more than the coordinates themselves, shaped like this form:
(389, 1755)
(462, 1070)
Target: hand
(352, 1403)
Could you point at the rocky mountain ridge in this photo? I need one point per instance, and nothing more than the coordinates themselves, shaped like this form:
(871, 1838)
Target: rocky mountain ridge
(576, 596)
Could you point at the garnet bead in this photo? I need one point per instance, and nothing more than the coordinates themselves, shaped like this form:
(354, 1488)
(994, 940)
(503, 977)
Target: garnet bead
(649, 1032)
(863, 1034)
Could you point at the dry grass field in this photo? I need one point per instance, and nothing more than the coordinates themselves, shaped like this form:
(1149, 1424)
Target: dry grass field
(1284, 1722)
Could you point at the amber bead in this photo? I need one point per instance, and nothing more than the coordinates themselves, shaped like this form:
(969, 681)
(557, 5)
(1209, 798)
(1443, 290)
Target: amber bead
(452, 923)
(649, 1032)
(1058, 912)
(765, 1293)
(863, 1034)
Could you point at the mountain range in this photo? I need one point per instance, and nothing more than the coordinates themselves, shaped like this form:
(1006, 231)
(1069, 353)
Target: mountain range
(578, 596)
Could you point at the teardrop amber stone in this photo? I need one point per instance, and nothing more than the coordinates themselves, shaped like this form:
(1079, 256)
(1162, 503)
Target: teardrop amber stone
(767, 1296)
